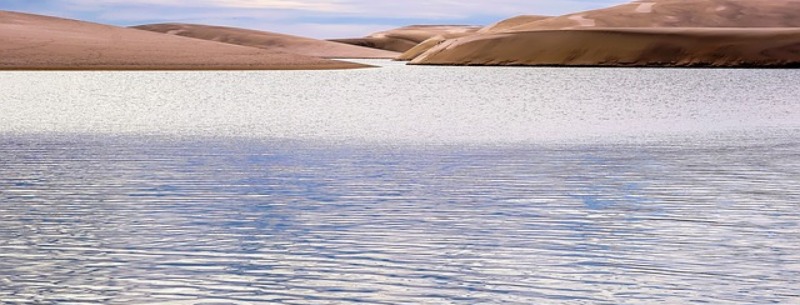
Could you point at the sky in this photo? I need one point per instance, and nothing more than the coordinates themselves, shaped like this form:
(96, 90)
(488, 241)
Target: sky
(312, 18)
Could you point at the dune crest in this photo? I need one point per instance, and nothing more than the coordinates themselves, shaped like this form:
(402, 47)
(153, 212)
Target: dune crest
(679, 13)
(708, 33)
(405, 38)
(511, 23)
(269, 41)
(421, 48)
(631, 47)
(35, 42)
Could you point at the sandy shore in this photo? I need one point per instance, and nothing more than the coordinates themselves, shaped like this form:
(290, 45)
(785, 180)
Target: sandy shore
(33, 42)
(631, 47)
(269, 41)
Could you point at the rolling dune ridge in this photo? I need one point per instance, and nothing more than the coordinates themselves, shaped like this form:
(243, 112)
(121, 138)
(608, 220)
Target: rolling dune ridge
(405, 38)
(652, 33)
(679, 13)
(639, 47)
(269, 41)
(34, 42)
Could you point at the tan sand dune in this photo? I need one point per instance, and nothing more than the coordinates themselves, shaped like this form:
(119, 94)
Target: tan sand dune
(512, 23)
(429, 43)
(656, 47)
(269, 41)
(679, 13)
(31, 42)
(421, 48)
(404, 38)
(670, 33)
(654, 14)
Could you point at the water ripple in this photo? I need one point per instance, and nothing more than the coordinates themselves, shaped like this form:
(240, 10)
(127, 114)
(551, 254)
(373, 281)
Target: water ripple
(139, 221)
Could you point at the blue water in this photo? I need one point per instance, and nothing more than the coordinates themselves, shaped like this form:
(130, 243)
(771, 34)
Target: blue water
(400, 185)
(142, 220)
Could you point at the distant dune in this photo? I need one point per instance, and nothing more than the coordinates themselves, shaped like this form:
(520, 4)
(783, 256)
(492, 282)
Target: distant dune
(714, 33)
(631, 47)
(512, 23)
(269, 41)
(33, 42)
(421, 48)
(679, 13)
(431, 42)
(404, 38)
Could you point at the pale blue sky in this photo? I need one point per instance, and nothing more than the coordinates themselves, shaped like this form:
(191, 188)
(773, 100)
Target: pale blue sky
(313, 18)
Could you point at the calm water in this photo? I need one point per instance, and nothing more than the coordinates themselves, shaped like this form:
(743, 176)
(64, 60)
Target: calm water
(402, 185)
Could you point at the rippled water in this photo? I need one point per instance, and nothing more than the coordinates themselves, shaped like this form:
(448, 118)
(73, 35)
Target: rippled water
(115, 194)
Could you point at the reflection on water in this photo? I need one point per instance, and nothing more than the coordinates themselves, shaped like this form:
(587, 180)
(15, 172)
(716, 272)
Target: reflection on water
(441, 105)
(136, 221)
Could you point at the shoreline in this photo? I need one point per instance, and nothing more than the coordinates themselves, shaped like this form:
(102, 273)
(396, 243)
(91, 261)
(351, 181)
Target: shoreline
(113, 68)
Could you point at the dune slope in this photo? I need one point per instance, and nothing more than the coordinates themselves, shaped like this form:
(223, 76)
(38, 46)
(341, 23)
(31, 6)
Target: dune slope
(269, 41)
(676, 47)
(512, 22)
(421, 48)
(678, 13)
(31, 42)
(404, 38)
(715, 33)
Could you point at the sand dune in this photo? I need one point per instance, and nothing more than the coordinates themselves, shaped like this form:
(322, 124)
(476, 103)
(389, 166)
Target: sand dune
(678, 13)
(512, 23)
(29, 42)
(715, 33)
(269, 41)
(429, 43)
(421, 48)
(404, 38)
(672, 47)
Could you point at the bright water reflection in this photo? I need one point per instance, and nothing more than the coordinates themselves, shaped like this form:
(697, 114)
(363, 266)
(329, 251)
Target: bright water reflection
(100, 220)
(404, 104)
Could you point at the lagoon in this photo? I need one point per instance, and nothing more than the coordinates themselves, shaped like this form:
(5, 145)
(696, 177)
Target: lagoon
(400, 185)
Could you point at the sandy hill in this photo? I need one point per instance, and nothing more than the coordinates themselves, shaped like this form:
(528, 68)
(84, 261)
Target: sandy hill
(718, 33)
(634, 47)
(431, 42)
(404, 38)
(513, 22)
(40, 42)
(679, 13)
(269, 41)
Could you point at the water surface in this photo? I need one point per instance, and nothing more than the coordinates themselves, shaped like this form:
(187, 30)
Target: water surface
(401, 185)
(412, 104)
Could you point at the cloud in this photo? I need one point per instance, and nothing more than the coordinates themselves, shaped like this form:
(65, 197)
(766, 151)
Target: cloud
(386, 9)
(322, 6)
(315, 18)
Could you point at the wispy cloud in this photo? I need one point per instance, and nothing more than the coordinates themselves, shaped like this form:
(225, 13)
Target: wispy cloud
(316, 18)
(321, 6)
